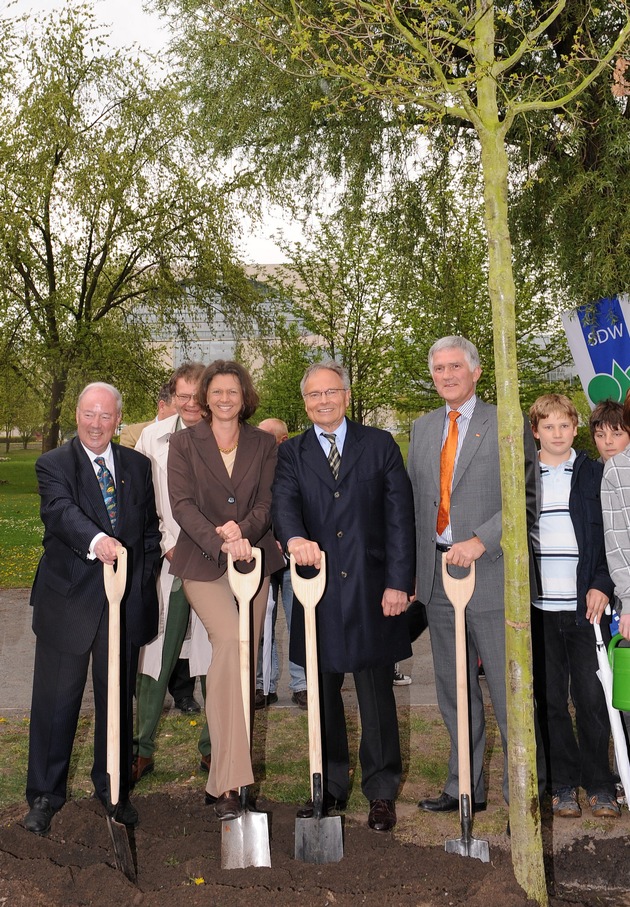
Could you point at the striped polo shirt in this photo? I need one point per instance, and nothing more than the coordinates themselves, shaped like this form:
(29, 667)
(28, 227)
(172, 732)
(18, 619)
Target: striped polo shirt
(553, 540)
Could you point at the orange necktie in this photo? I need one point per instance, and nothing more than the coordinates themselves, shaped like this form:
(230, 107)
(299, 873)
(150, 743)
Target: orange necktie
(447, 463)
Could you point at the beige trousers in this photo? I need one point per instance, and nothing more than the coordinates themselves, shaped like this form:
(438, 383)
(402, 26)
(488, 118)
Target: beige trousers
(214, 604)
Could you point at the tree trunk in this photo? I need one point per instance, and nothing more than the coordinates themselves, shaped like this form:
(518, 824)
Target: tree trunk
(525, 823)
(52, 424)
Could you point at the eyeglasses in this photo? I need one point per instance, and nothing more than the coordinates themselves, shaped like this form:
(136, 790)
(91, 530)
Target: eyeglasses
(217, 394)
(186, 398)
(332, 392)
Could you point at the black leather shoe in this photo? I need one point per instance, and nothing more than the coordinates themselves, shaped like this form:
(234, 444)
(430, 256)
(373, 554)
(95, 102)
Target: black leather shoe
(126, 813)
(188, 704)
(39, 816)
(210, 799)
(382, 816)
(447, 804)
(330, 803)
(228, 805)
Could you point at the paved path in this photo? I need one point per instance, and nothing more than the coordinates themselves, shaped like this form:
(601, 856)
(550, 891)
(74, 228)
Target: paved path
(17, 647)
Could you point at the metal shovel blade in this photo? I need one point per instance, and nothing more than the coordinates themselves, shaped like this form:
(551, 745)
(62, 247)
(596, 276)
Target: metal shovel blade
(320, 839)
(122, 849)
(245, 841)
(467, 846)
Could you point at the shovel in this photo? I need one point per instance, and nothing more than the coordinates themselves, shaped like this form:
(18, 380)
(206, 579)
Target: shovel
(459, 592)
(317, 840)
(245, 841)
(115, 583)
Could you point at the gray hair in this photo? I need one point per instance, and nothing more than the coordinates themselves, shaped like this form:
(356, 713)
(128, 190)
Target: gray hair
(456, 343)
(101, 385)
(330, 366)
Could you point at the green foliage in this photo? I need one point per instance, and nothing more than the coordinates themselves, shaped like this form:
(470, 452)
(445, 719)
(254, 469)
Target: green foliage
(112, 220)
(278, 367)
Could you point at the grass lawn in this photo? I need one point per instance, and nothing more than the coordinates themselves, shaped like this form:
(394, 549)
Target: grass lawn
(21, 529)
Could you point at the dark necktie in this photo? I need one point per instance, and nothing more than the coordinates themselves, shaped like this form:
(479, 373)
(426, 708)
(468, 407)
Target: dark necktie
(447, 463)
(108, 489)
(334, 457)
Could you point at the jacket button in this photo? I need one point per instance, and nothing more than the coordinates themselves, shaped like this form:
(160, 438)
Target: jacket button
(344, 575)
(340, 535)
(231, 500)
(337, 494)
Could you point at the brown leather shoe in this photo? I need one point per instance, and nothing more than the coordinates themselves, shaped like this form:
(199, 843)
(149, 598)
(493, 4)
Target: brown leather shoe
(141, 765)
(228, 805)
(204, 763)
(382, 815)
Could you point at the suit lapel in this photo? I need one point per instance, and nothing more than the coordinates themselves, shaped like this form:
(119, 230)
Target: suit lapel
(210, 456)
(435, 442)
(314, 458)
(352, 449)
(474, 436)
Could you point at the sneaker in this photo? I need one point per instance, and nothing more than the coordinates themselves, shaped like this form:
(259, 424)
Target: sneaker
(401, 680)
(604, 805)
(620, 794)
(564, 803)
(300, 699)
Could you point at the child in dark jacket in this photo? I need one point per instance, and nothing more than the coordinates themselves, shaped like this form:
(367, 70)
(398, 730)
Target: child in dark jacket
(575, 587)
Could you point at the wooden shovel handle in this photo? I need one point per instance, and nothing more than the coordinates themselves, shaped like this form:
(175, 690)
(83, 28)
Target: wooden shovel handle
(245, 586)
(115, 584)
(459, 593)
(309, 592)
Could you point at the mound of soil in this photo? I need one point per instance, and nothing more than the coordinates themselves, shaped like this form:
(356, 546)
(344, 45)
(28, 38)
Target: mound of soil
(177, 847)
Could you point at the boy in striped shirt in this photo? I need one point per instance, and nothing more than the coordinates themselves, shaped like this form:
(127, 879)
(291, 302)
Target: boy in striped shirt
(575, 587)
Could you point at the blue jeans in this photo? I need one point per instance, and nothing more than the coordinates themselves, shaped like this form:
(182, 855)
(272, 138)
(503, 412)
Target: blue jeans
(565, 664)
(281, 582)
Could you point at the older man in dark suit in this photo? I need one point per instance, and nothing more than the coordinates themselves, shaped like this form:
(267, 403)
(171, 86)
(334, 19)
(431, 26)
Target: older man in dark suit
(342, 487)
(95, 496)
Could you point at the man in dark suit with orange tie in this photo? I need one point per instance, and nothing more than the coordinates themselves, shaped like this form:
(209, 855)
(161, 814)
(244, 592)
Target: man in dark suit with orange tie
(95, 497)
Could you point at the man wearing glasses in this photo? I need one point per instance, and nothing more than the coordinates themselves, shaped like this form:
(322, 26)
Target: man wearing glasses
(158, 658)
(341, 487)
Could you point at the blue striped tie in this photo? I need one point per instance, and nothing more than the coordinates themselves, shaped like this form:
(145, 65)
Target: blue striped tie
(108, 489)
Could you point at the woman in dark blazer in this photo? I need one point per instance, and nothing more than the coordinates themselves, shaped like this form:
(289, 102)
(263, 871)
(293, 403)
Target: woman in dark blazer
(219, 475)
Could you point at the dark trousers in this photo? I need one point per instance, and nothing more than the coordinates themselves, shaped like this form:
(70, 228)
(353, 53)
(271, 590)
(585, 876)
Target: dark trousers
(58, 683)
(181, 685)
(565, 664)
(379, 750)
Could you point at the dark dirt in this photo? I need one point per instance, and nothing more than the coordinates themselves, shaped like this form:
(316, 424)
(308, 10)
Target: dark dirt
(178, 848)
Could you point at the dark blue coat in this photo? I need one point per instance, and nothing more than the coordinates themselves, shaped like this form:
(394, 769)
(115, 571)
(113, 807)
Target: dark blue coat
(68, 594)
(364, 523)
(585, 509)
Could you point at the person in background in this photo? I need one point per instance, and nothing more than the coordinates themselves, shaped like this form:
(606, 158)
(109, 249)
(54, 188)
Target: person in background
(616, 514)
(575, 588)
(607, 428)
(181, 685)
(129, 434)
(178, 627)
(220, 473)
(95, 497)
(341, 487)
(280, 585)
